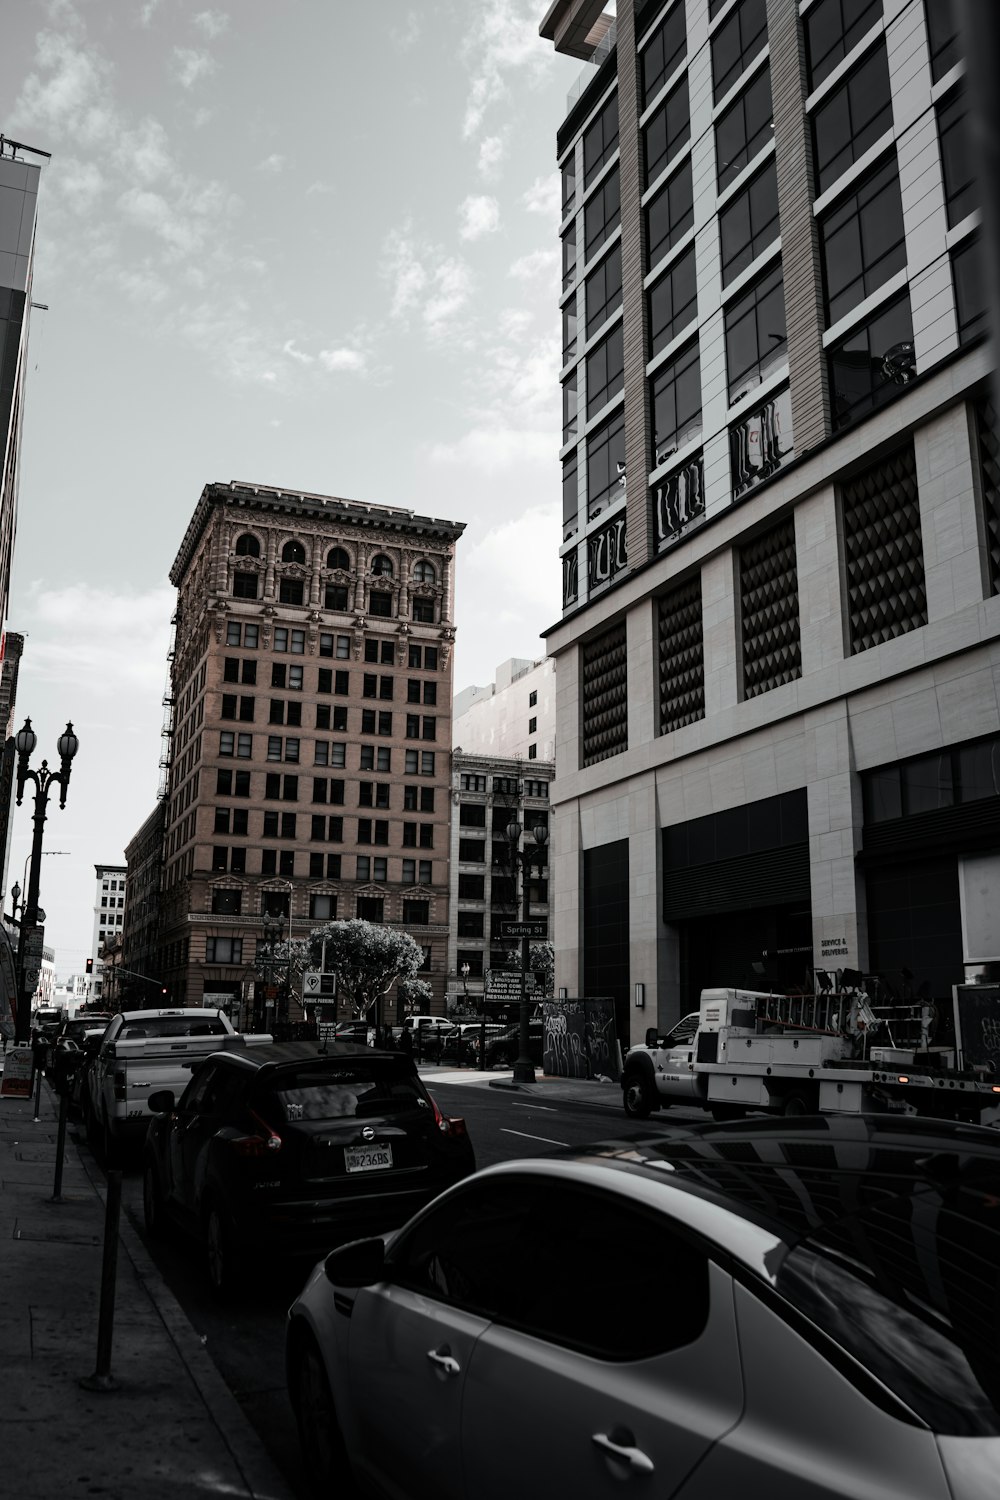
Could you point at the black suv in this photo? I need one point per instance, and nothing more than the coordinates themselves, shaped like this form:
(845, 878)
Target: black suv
(287, 1149)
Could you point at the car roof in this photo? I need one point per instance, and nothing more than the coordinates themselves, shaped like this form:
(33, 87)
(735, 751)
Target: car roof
(173, 1010)
(841, 1184)
(286, 1054)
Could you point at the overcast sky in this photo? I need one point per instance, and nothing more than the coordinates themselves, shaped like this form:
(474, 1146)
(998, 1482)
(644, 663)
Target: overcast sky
(307, 243)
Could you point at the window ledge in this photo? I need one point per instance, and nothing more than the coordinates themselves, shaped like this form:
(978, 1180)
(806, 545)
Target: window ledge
(859, 315)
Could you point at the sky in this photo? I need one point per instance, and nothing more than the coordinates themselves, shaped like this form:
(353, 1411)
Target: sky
(310, 244)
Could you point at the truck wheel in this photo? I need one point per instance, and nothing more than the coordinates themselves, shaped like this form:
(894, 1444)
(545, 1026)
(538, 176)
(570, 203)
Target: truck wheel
(637, 1097)
(798, 1102)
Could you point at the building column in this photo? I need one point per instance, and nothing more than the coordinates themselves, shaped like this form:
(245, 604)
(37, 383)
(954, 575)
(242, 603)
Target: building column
(641, 544)
(718, 603)
(817, 559)
(359, 587)
(316, 564)
(269, 566)
(566, 873)
(646, 945)
(804, 315)
(836, 820)
(949, 519)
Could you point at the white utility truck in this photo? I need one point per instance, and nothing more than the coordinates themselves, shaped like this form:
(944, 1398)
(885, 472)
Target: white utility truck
(140, 1052)
(807, 1054)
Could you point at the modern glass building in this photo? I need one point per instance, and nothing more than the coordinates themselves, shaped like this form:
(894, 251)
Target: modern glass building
(778, 662)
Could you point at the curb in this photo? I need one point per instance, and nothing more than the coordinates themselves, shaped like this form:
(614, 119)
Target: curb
(263, 1479)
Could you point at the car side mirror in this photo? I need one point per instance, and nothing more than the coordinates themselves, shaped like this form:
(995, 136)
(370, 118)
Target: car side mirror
(652, 1036)
(162, 1102)
(361, 1263)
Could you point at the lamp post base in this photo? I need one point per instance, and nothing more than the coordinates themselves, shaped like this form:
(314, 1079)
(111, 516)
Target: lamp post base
(524, 1070)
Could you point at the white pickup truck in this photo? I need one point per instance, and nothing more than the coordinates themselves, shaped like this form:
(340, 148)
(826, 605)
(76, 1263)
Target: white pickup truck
(142, 1051)
(804, 1054)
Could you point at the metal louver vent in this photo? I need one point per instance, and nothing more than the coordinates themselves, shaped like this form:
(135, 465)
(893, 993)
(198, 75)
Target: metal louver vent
(989, 466)
(883, 551)
(605, 696)
(681, 657)
(769, 588)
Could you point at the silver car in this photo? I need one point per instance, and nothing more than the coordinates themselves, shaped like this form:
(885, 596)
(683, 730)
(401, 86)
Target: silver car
(802, 1311)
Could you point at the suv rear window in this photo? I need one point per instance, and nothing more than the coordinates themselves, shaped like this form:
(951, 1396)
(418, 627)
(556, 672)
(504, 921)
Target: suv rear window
(171, 1026)
(373, 1087)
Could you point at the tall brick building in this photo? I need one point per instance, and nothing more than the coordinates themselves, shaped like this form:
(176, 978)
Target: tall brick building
(311, 689)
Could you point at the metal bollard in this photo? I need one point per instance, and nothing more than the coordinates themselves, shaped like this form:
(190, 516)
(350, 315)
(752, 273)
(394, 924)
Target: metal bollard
(38, 1096)
(102, 1379)
(60, 1146)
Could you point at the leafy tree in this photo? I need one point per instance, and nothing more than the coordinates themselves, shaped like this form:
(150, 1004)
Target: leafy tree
(416, 995)
(541, 963)
(367, 959)
(289, 958)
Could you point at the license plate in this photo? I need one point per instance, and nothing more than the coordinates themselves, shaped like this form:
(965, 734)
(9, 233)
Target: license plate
(367, 1158)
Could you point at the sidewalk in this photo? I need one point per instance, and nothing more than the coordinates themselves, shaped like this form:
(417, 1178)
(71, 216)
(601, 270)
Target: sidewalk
(172, 1428)
(571, 1090)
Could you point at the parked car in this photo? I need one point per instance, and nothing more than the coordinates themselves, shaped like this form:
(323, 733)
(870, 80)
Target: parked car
(284, 1149)
(502, 1049)
(461, 1045)
(66, 1054)
(791, 1310)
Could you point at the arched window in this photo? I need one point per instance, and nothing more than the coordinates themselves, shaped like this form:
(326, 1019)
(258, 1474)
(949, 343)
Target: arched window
(382, 565)
(423, 572)
(338, 558)
(247, 545)
(293, 552)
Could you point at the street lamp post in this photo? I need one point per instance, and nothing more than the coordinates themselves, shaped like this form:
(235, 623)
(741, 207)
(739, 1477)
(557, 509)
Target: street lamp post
(524, 1070)
(44, 780)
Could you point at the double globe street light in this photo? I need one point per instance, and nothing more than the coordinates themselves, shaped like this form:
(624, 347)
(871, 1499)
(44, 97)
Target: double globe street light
(535, 849)
(44, 780)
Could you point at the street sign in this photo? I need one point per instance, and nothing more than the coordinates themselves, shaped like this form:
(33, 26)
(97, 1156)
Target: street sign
(17, 1067)
(505, 984)
(33, 943)
(270, 992)
(318, 986)
(534, 927)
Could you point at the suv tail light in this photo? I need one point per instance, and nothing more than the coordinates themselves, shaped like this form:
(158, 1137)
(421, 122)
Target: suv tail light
(119, 1083)
(257, 1145)
(447, 1124)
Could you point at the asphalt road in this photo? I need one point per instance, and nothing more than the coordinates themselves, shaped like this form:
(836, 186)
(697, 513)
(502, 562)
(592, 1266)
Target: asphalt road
(246, 1340)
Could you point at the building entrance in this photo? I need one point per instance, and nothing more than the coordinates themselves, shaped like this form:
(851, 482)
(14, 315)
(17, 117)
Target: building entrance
(762, 949)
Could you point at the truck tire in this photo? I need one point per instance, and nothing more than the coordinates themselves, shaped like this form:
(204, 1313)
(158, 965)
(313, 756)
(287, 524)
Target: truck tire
(799, 1102)
(639, 1095)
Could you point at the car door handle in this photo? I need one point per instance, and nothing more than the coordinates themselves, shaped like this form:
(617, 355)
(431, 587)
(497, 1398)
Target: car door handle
(620, 1444)
(443, 1360)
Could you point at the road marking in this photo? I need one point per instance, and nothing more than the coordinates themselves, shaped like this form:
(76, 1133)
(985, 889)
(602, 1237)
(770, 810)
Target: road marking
(549, 1109)
(547, 1139)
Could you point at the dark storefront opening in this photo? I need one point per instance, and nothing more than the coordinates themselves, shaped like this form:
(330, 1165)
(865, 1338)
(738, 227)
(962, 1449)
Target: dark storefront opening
(606, 929)
(736, 891)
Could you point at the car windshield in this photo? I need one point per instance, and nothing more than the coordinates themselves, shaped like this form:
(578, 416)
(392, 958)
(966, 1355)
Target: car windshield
(171, 1026)
(378, 1086)
(77, 1030)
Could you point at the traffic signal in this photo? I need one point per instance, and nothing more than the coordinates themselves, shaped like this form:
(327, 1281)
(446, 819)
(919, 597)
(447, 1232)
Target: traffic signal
(90, 966)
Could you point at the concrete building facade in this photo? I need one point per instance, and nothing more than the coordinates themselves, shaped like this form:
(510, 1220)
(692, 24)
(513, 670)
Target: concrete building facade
(512, 716)
(488, 795)
(778, 665)
(140, 951)
(309, 770)
(109, 918)
(19, 180)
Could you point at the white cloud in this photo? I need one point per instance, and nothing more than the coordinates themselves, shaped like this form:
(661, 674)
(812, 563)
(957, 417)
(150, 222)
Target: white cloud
(403, 268)
(79, 184)
(297, 354)
(492, 150)
(503, 39)
(319, 188)
(451, 287)
(147, 12)
(273, 163)
(101, 643)
(478, 216)
(545, 197)
(190, 65)
(538, 265)
(143, 153)
(211, 23)
(350, 360)
(406, 33)
(69, 95)
(143, 286)
(511, 568)
(493, 448)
